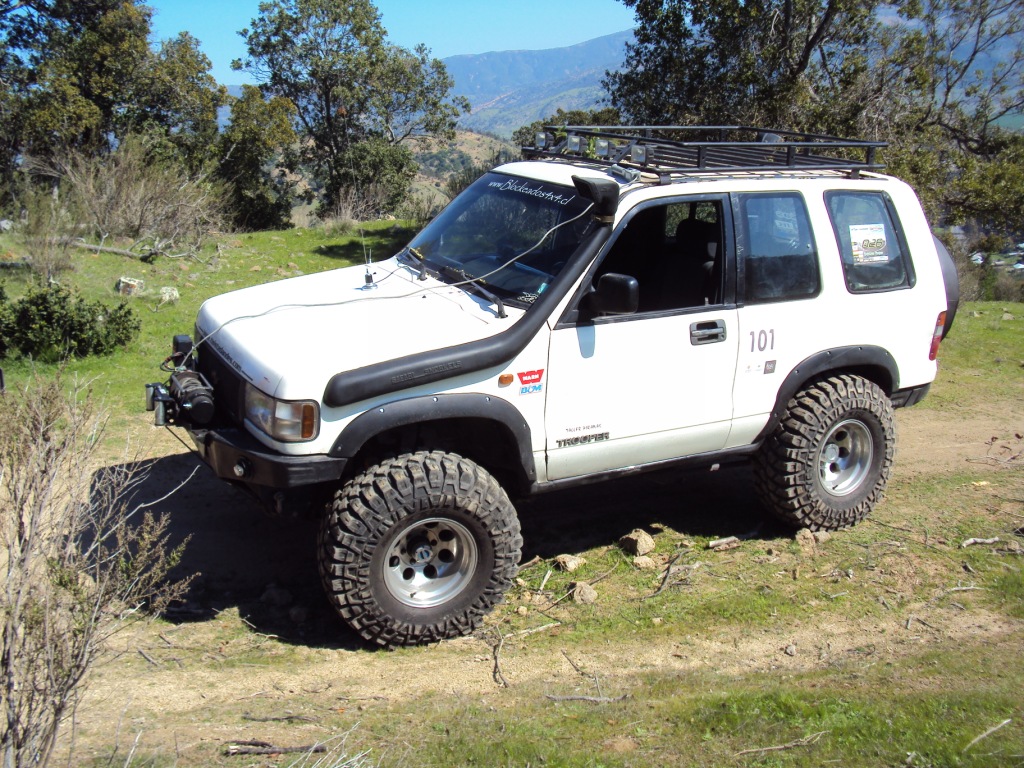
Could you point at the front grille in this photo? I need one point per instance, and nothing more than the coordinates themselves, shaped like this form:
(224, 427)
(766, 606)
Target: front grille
(228, 387)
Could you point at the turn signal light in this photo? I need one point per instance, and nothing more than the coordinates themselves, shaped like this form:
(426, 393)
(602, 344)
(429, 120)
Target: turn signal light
(940, 323)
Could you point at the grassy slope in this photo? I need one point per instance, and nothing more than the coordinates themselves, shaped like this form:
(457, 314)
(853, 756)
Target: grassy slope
(921, 706)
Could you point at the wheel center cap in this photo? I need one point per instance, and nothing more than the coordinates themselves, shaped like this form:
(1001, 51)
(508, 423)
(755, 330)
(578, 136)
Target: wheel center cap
(422, 553)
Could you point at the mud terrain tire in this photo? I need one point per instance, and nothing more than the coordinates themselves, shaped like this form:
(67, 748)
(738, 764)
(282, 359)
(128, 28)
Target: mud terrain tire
(418, 548)
(827, 463)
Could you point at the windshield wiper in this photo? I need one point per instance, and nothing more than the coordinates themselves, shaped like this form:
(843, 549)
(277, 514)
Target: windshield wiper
(464, 281)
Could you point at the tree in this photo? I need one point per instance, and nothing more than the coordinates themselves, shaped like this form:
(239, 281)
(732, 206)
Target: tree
(739, 61)
(251, 146)
(80, 75)
(351, 91)
(933, 78)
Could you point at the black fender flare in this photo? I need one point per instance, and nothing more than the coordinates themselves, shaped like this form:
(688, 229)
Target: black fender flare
(432, 408)
(862, 358)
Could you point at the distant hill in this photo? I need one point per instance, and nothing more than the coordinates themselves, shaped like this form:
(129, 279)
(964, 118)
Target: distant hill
(509, 89)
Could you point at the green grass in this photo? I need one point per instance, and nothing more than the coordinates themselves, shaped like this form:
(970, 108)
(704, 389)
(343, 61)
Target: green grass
(882, 698)
(231, 262)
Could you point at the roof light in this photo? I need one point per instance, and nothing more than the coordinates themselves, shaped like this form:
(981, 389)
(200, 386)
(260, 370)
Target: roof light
(603, 149)
(577, 145)
(543, 140)
(638, 154)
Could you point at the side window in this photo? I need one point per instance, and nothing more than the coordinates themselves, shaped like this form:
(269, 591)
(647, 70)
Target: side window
(779, 260)
(675, 251)
(870, 241)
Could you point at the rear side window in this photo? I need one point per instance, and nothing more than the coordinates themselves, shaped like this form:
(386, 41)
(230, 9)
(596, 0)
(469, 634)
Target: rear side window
(779, 261)
(871, 242)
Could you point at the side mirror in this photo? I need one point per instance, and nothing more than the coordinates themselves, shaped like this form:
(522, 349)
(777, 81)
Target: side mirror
(615, 294)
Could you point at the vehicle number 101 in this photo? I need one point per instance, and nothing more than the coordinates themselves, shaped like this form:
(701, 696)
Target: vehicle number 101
(762, 340)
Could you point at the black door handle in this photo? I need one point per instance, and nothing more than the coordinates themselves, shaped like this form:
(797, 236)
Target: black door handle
(707, 332)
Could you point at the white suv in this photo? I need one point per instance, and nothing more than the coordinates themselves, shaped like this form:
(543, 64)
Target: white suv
(623, 299)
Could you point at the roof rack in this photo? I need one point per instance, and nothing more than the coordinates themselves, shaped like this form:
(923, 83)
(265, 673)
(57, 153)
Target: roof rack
(666, 150)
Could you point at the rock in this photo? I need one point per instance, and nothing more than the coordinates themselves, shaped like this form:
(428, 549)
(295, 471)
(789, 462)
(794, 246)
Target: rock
(820, 537)
(790, 650)
(569, 563)
(130, 286)
(584, 593)
(805, 539)
(644, 563)
(169, 295)
(1008, 316)
(637, 542)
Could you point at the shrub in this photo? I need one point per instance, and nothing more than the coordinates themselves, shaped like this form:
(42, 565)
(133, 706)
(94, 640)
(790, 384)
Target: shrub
(52, 324)
(78, 562)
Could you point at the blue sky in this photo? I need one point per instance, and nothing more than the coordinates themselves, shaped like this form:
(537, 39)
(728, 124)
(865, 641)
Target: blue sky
(447, 27)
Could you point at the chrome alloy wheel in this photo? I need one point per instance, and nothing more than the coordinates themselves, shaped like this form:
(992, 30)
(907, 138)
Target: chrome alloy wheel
(844, 460)
(430, 562)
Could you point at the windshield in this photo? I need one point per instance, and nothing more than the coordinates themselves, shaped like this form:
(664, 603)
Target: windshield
(513, 235)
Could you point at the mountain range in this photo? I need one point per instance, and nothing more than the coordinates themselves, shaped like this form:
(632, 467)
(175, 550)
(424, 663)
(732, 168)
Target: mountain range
(509, 89)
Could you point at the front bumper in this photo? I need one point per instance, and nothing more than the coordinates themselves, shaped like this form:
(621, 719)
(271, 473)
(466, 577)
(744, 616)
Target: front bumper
(235, 455)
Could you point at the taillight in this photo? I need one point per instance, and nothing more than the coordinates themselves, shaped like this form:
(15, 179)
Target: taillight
(940, 324)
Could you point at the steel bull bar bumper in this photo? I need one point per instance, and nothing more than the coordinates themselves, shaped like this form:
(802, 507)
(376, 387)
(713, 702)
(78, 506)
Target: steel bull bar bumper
(235, 455)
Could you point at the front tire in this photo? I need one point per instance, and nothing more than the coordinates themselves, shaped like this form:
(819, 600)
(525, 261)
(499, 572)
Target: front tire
(418, 548)
(827, 463)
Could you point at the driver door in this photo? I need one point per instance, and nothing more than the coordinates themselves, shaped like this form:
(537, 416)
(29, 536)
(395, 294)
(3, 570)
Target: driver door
(629, 390)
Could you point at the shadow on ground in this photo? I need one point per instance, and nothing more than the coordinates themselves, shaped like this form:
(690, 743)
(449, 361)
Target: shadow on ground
(266, 566)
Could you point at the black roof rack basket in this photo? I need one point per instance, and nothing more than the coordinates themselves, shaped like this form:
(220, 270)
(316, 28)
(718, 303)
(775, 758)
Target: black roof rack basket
(704, 149)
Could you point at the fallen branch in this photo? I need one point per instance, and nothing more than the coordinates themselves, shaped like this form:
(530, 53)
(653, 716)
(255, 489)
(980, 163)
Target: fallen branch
(497, 674)
(778, 748)
(525, 632)
(265, 748)
(591, 699)
(671, 570)
(281, 719)
(971, 542)
(987, 733)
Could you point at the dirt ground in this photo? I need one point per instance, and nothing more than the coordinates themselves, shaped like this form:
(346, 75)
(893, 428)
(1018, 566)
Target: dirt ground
(173, 683)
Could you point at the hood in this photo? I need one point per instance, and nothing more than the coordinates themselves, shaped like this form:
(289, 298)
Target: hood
(289, 337)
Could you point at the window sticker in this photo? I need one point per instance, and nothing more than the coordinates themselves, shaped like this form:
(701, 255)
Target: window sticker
(868, 242)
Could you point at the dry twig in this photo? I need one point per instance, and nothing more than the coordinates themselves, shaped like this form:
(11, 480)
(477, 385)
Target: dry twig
(778, 748)
(987, 733)
(265, 748)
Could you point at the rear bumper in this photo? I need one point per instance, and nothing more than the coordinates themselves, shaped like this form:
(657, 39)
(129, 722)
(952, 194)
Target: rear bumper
(235, 455)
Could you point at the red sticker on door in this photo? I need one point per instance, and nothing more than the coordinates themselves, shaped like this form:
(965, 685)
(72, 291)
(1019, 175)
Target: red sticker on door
(531, 377)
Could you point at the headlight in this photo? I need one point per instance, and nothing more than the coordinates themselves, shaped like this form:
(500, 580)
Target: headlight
(287, 421)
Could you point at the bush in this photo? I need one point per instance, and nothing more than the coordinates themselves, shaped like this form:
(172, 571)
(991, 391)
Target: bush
(52, 324)
(6, 323)
(79, 563)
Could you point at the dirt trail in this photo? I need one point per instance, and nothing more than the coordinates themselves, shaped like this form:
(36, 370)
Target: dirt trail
(211, 664)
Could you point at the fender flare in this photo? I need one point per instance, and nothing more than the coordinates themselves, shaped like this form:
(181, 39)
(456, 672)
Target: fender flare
(431, 408)
(862, 357)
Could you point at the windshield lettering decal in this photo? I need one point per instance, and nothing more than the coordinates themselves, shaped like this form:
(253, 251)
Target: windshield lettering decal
(524, 188)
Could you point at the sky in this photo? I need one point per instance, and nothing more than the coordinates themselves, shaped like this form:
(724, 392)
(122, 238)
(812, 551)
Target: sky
(446, 27)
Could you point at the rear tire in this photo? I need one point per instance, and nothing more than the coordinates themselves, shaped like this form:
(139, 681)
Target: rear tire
(827, 463)
(418, 548)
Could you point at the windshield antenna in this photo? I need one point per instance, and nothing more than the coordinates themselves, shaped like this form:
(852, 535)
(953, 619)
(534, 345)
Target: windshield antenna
(368, 281)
